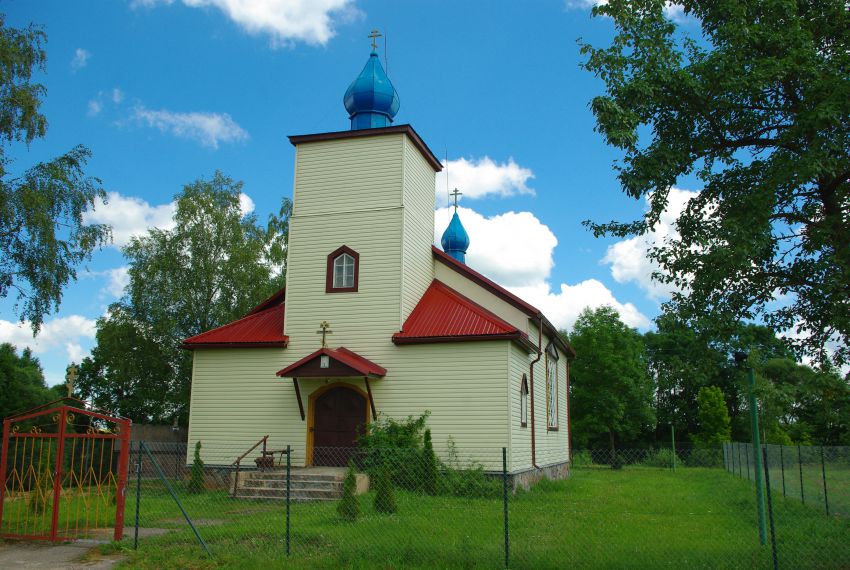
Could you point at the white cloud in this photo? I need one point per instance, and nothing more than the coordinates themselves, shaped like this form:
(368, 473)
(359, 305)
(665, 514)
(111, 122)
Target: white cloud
(80, 59)
(672, 10)
(524, 265)
(117, 95)
(94, 108)
(494, 249)
(246, 204)
(286, 21)
(119, 278)
(63, 333)
(209, 129)
(628, 257)
(484, 177)
(129, 216)
(564, 307)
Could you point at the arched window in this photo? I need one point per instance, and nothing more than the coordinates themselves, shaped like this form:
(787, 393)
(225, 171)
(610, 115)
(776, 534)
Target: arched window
(551, 387)
(343, 271)
(523, 402)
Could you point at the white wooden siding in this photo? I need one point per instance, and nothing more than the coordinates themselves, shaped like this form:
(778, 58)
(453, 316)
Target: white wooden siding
(418, 232)
(236, 398)
(482, 296)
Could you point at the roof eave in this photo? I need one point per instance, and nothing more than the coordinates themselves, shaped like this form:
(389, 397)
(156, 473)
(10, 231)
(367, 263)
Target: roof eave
(516, 336)
(269, 344)
(427, 153)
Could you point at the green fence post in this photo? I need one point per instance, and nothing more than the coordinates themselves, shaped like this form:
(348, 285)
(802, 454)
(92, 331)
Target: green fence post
(757, 451)
(673, 441)
(176, 499)
(138, 495)
(505, 500)
(782, 464)
(823, 472)
(800, 463)
(770, 512)
(288, 493)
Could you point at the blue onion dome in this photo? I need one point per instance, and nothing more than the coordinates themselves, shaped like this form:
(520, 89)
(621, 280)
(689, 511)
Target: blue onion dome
(455, 240)
(371, 100)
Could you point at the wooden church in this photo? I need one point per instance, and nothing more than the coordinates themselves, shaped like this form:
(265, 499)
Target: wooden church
(375, 320)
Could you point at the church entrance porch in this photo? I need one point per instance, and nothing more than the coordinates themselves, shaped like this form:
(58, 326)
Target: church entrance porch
(337, 414)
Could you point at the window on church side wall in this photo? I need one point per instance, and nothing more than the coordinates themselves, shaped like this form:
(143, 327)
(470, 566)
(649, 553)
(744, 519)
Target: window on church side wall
(523, 402)
(343, 271)
(551, 388)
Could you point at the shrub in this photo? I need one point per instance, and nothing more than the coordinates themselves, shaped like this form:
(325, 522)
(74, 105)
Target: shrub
(582, 459)
(659, 458)
(430, 470)
(196, 478)
(397, 447)
(349, 507)
(384, 495)
(466, 480)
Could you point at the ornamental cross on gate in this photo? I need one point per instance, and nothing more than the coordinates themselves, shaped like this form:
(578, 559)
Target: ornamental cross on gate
(325, 326)
(71, 377)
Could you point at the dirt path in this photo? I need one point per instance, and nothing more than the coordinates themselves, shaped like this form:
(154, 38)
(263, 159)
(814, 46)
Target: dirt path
(54, 557)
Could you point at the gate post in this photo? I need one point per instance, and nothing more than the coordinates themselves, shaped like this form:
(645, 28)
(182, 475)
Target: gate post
(4, 456)
(121, 490)
(57, 474)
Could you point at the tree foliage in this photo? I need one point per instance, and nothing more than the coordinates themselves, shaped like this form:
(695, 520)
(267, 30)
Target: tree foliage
(611, 391)
(21, 382)
(196, 476)
(714, 425)
(212, 268)
(348, 507)
(42, 235)
(758, 109)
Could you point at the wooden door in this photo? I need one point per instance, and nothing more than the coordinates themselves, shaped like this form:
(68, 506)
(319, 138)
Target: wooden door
(338, 415)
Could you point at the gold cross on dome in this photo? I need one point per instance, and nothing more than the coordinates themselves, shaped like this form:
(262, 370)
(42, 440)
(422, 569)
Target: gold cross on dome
(456, 194)
(325, 326)
(374, 35)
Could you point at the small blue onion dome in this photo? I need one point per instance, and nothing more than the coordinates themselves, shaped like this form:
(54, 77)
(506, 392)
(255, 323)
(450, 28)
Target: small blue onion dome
(371, 100)
(455, 240)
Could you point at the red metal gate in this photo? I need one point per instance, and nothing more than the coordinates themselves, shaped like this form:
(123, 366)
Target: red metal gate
(64, 473)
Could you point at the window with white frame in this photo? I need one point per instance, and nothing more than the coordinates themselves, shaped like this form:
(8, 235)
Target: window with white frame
(551, 387)
(344, 272)
(523, 402)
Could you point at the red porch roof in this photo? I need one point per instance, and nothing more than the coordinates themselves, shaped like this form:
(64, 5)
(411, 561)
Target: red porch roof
(263, 328)
(342, 363)
(444, 315)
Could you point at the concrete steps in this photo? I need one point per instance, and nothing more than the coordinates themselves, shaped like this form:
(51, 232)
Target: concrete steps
(306, 484)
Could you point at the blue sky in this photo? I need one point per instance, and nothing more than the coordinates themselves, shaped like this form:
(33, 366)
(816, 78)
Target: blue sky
(165, 92)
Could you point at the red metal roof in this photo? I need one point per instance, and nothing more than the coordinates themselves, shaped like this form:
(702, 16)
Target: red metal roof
(258, 329)
(352, 365)
(274, 299)
(444, 315)
(503, 294)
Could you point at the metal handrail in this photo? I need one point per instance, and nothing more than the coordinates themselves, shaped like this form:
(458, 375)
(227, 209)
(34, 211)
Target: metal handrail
(238, 462)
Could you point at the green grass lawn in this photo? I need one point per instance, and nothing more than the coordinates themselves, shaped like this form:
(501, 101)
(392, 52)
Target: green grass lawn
(599, 518)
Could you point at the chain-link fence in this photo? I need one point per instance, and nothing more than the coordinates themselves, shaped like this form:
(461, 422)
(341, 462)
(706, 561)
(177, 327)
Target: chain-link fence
(818, 476)
(413, 508)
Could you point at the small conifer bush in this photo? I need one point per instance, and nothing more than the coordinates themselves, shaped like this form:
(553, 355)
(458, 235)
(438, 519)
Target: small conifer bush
(430, 472)
(348, 508)
(196, 478)
(384, 495)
